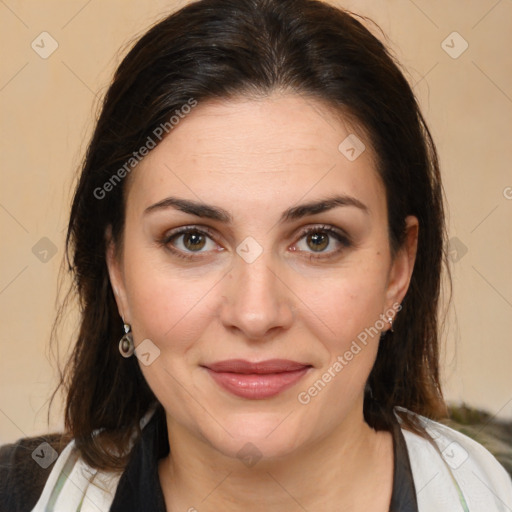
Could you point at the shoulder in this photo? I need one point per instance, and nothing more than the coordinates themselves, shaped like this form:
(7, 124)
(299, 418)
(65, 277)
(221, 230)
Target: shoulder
(451, 468)
(24, 468)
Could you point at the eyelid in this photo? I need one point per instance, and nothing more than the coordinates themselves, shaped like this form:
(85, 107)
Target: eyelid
(192, 228)
(340, 234)
(328, 228)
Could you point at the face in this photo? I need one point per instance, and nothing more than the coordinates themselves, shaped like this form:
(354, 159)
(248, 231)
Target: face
(256, 261)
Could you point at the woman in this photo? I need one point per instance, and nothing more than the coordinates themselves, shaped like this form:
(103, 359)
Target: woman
(257, 240)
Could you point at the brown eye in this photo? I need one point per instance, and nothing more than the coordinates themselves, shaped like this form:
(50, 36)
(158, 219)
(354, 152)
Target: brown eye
(317, 241)
(322, 242)
(190, 240)
(194, 241)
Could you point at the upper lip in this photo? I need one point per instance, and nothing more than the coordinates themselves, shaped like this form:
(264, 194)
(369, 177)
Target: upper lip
(262, 367)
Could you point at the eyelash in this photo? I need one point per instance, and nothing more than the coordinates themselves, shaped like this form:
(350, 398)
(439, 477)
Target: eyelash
(166, 240)
(337, 235)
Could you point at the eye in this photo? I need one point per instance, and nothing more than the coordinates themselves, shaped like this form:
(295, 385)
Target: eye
(185, 242)
(192, 241)
(322, 241)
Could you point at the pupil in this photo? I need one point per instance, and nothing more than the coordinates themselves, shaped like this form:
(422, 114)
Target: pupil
(194, 241)
(319, 240)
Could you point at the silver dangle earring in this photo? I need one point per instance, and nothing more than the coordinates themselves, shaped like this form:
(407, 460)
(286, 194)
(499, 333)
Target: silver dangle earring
(126, 345)
(390, 322)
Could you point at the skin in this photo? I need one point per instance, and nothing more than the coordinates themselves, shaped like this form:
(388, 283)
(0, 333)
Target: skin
(256, 158)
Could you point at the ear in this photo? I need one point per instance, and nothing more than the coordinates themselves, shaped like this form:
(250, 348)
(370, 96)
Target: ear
(403, 264)
(116, 275)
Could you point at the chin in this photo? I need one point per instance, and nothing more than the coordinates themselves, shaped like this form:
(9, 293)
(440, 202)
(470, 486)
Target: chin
(257, 436)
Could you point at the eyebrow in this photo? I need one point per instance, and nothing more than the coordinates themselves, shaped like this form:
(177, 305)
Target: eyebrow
(204, 210)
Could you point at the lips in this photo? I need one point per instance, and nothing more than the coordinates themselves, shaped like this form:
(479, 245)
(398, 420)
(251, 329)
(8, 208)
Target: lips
(262, 367)
(257, 380)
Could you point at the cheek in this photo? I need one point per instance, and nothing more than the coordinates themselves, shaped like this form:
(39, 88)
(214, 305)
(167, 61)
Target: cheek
(168, 307)
(348, 302)
(347, 322)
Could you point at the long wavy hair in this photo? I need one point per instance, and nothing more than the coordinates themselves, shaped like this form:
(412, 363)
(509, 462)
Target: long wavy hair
(225, 49)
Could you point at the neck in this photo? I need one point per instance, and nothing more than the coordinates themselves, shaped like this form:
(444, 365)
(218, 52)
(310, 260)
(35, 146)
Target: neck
(347, 470)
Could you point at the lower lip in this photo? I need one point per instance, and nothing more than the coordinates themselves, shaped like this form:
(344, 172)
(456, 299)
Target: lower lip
(257, 386)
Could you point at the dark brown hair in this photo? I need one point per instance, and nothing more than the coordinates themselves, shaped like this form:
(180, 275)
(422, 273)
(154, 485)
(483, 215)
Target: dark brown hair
(223, 49)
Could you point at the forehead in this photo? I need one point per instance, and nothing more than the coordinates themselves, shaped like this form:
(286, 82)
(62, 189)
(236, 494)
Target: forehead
(268, 150)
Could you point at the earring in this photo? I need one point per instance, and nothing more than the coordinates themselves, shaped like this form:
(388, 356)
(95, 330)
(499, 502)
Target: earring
(390, 322)
(126, 345)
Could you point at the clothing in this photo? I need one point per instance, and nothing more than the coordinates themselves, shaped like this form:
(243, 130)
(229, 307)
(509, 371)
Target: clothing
(139, 487)
(452, 473)
(21, 479)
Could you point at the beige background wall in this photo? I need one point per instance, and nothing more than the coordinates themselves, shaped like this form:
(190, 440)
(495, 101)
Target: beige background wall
(48, 106)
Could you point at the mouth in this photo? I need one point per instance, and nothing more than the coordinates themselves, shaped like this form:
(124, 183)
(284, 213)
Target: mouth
(258, 380)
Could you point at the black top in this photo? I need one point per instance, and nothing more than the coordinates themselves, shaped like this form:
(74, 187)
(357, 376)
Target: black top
(139, 486)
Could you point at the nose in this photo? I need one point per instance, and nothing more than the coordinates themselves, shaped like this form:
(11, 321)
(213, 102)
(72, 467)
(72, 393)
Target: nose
(257, 302)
